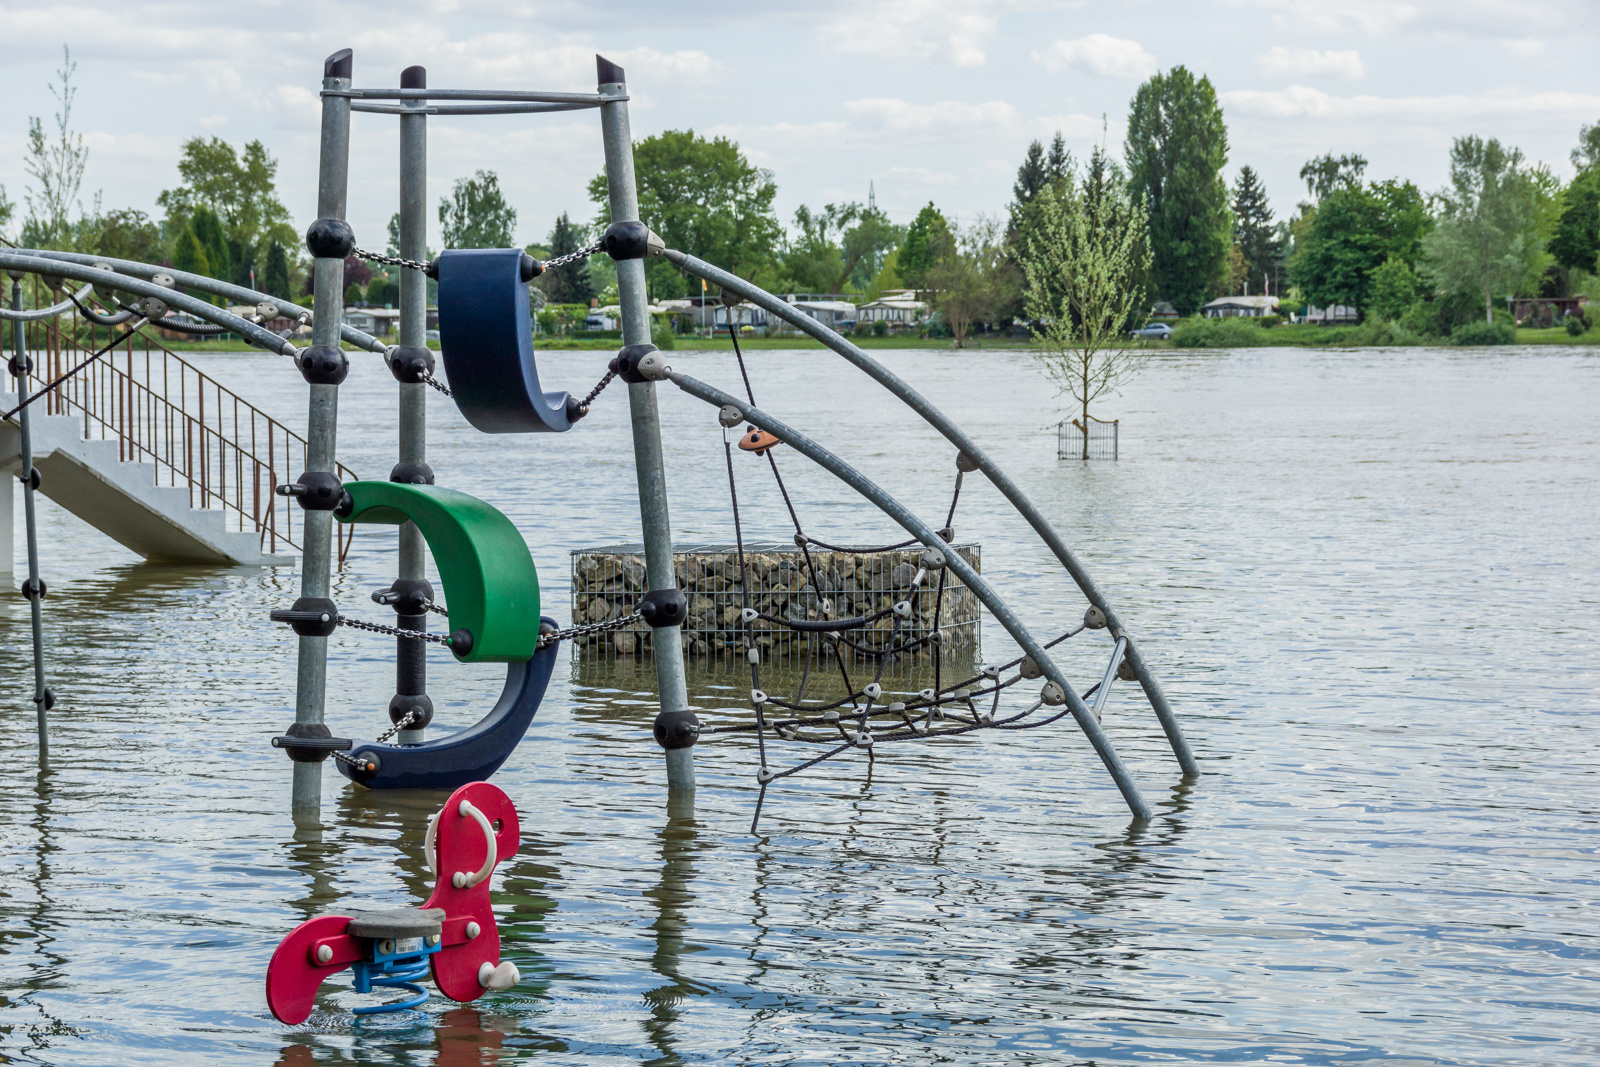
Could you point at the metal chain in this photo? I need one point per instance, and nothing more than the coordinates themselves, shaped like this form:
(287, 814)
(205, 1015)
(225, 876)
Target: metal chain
(599, 388)
(436, 383)
(394, 631)
(437, 609)
(550, 638)
(393, 261)
(405, 720)
(572, 257)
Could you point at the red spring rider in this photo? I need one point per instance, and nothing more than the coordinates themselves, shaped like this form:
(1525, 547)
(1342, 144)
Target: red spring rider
(453, 934)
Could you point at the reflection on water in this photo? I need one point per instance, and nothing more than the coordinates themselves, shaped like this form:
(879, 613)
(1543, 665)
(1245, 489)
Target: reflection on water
(1367, 579)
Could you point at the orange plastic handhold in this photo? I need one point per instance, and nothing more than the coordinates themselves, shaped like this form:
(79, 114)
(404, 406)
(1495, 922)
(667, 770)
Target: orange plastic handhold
(758, 441)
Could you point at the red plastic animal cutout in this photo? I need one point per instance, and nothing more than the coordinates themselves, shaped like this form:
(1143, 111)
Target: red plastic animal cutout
(454, 931)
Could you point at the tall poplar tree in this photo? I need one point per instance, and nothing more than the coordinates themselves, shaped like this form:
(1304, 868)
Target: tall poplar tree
(1176, 148)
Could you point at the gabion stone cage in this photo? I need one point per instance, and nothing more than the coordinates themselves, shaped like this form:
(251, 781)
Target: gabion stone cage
(1102, 442)
(608, 582)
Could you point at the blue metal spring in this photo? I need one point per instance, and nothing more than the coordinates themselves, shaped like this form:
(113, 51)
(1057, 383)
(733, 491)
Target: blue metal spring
(402, 973)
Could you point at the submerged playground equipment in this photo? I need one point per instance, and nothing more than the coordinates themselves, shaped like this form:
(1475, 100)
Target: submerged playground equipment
(491, 590)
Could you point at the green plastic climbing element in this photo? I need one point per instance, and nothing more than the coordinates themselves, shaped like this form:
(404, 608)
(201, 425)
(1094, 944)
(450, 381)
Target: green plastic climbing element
(490, 585)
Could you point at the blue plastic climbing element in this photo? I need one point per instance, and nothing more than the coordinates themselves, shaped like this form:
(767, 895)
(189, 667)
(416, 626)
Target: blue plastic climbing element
(469, 755)
(486, 338)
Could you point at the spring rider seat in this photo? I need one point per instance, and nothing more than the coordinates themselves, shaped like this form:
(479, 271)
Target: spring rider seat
(453, 934)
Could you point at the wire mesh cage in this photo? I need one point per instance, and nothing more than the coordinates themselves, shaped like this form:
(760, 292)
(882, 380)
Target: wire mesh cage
(608, 582)
(1100, 442)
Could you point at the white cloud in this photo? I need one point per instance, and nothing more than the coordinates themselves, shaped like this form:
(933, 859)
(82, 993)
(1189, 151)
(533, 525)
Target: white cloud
(1098, 53)
(1523, 48)
(1282, 62)
(1303, 102)
(903, 117)
(915, 28)
(212, 122)
(1390, 18)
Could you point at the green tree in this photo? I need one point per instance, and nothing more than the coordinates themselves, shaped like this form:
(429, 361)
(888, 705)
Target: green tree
(1392, 289)
(476, 215)
(207, 229)
(1326, 173)
(275, 277)
(56, 165)
(190, 256)
(1254, 232)
(813, 262)
(1487, 240)
(7, 211)
(1085, 263)
(704, 198)
(238, 189)
(568, 284)
(865, 245)
(1353, 232)
(1176, 148)
(927, 233)
(1587, 154)
(1575, 244)
(970, 276)
(128, 234)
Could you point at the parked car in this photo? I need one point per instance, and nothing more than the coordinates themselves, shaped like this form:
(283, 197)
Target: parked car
(1155, 331)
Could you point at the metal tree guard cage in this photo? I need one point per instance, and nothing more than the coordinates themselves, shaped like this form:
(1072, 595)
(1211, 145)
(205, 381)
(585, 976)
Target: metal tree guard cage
(1101, 443)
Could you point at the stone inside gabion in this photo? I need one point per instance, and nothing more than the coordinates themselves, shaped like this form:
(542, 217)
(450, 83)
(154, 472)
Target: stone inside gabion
(608, 582)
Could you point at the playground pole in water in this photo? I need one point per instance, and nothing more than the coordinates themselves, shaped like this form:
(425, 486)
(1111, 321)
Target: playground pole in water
(33, 589)
(316, 561)
(411, 665)
(666, 641)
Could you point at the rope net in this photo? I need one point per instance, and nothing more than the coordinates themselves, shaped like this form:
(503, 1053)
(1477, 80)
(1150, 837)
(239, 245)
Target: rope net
(868, 715)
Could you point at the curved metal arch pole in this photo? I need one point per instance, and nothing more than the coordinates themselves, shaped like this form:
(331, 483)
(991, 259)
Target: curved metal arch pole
(38, 314)
(204, 284)
(963, 570)
(956, 436)
(256, 335)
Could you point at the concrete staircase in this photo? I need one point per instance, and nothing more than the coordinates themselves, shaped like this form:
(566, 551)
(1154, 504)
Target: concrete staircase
(121, 498)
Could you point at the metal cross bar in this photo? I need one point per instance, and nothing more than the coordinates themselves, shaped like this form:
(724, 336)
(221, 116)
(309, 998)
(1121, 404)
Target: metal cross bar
(523, 95)
(469, 109)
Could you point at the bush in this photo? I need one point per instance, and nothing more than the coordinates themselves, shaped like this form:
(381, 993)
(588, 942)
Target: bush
(1266, 322)
(1577, 324)
(880, 328)
(1372, 333)
(661, 333)
(1217, 333)
(1484, 333)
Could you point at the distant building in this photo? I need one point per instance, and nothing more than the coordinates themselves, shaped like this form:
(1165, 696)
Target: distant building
(1161, 311)
(895, 309)
(1337, 315)
(1241, 307)
(379, 322)
(825, 308)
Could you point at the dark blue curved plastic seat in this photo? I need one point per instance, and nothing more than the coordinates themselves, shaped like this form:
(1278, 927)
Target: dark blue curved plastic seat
(486, 338)
(469, 755)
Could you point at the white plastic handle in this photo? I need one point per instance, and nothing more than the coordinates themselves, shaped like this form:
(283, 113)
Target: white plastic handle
(430, 846)
(461, 879)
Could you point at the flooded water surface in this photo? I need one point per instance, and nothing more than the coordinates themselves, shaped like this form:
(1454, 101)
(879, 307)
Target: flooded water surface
(1367, 580)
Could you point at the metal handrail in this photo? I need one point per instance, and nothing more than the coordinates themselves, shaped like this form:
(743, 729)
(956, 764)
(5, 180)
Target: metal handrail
(194, 431)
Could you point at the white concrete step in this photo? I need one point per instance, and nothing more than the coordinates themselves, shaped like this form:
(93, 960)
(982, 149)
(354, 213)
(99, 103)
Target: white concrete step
(122, 500)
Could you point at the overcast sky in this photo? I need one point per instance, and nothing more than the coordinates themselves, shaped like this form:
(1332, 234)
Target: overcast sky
(927, 99)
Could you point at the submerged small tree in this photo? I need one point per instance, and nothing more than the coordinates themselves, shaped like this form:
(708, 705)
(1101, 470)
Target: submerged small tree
(1085, 262)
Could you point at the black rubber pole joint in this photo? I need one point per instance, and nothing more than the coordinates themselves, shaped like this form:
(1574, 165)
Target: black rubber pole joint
(626, 240)
(404, 703)
(319, 491)
(626, 363)
(35, 588)
(32, 478)
(310, 742)
(676, 729)
(324, 365)
(310, 617)
(664, 607)
(410, 364)
(408, 596)
(412, 474)
(19, 365)
(330, 239)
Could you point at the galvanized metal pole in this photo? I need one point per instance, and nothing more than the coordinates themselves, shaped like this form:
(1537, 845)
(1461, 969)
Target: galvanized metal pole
(322, 420)
(666, 641)
(35, 591)
(411, 663)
